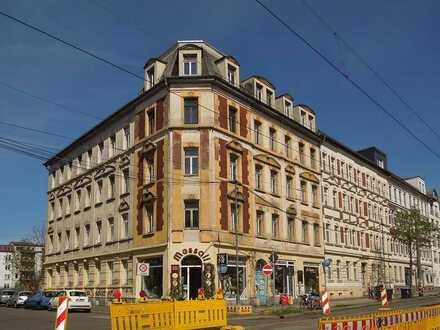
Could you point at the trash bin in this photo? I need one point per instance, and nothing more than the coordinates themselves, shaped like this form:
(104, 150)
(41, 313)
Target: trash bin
(390, 294)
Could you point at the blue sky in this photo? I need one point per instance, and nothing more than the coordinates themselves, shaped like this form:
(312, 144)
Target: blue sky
(398, 38)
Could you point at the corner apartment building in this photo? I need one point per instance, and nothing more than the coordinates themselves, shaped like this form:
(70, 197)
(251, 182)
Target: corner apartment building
(172, 178)
(360, 198)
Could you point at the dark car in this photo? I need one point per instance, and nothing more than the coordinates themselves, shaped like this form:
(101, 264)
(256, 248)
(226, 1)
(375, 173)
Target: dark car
(18, 299)
(40, 300)
(5, 294)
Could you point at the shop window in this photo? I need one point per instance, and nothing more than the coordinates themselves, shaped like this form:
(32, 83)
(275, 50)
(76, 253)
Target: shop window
(284, 278)
(192, 214)
(153, 283)
(228, 279)
(311, 279)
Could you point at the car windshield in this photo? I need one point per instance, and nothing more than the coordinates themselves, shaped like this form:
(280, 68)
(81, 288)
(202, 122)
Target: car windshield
(77, 294)
(24, 293)
(8, 293)
(50, 294)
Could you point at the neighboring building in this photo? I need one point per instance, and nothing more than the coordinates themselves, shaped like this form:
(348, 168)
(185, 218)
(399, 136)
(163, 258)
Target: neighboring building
(20, 265)
(360, 197)
(159, 180)
(7, 277)
(434, 216)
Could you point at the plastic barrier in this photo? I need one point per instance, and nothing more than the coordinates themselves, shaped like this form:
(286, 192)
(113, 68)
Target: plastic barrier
(421, 318)
(164, 315)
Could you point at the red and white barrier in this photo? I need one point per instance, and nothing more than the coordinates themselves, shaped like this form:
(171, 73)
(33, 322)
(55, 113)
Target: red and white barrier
(349, 325)
(61, 320)
(384, 297)
(325, 301)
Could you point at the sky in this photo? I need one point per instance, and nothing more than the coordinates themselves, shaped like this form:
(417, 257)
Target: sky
(399, 39)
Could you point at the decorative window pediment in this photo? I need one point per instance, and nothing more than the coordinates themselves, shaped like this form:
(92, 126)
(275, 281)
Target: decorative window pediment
(232, 194)
(291, 210)
(267, 160)
(149, 148)
(290, 169)
(103, 171)
(123, 206)
(147, 197)
(309, 176)
(235, 145)
(82, 182)
(63, 191)
(124, 161)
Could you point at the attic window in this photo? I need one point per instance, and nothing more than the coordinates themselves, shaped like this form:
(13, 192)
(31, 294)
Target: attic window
(269, 97)
(258, 92)
(231, 74)
(190, 64)
(150, 77)
(288, 108)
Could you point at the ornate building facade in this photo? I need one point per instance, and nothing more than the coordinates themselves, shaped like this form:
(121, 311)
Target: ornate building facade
(198, 163)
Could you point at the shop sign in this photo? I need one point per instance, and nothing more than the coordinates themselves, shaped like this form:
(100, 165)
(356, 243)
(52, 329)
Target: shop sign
(200, 253)
(143, 269)
(222, 259)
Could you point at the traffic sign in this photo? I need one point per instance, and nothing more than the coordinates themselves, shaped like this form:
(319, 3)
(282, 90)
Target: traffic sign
(267, 269)
(143, 269)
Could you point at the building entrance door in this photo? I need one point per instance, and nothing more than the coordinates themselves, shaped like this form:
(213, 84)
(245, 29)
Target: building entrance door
(191, 274)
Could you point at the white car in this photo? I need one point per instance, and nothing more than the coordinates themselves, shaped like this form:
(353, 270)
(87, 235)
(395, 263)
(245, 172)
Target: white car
(77, 300)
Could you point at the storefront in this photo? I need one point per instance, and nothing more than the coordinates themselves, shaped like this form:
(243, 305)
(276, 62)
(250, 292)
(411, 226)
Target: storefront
(311, 278)
(152, 283)
(284, 278)
(228, 278)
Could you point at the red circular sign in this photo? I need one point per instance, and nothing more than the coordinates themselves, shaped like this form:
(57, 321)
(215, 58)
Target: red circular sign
(267, 269)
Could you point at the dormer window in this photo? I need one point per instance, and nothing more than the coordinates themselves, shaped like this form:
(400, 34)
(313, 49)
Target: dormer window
(231, 74)
(303, 118)
(258, 92)
(189, 64)
(150, 77)
(288, 109)
(269, 97)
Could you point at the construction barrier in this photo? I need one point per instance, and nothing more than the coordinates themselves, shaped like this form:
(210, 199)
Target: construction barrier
(164, 315)
(241, 310)
(421, 318)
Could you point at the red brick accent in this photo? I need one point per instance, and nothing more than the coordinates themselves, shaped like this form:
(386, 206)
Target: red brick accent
(159, 206)
(342, 234)
(223, 112)
(243, 122)
(160, 160)
(140, 125)
(223, 159)
(160, 114)
(224, 205)
(246, 217)
(204, 149)
(245, 167)
(177, 150)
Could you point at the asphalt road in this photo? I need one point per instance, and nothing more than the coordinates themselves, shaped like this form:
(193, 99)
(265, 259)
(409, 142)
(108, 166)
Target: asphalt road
(24, 319)
(21, 319)
(309, 320)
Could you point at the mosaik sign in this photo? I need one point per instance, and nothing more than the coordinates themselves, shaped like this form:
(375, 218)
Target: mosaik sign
(200, 253)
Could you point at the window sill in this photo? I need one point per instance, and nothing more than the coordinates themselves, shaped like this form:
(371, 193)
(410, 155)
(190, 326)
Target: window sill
(98, 204)
(77, 212)
(275, 195)
(316, 206)
(126, 239)
(110, 242)
(124, 194)
(150, 234)
(87, 208)
(67, 215)
(191, 175)
(59, 218)
(111, 199)
(292, 198)
(305, 203)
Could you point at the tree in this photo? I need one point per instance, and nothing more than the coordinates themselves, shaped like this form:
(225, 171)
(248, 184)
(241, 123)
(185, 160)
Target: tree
(415, 231)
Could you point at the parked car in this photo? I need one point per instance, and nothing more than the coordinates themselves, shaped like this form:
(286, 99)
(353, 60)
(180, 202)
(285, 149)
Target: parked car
(18, 299)
(40, 300)
(5, 294)
(78, 300)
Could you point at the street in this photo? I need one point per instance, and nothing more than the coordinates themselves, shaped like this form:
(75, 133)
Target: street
(19, 319)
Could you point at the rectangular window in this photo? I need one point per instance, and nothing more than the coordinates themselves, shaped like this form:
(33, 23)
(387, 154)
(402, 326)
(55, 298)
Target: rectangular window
(273, 182)
(231, 74)
(305, 234)
(191, 161)
(112, 146)
(291, 229)
(149, 219)
(288, 109)
(68, 201)
(67, 241)
(190, 64)
(124, 273)
(327, 233)
(98, 231)
(275, 224)
(287, 146)
(301, 152)
(347, 266)
(260, 223)
(336, 231)
(98, 193)
(111, 230)
(192, 214)
(234, 167)
(235, 216)
(124, 226)
(258, 92)
(315, 196)
(111, 187)
(151, 122)
(272, 138)
(191, 111)
(303, 191)
(76, 238)
(150, 170)
(316, 239)
(313, 161)
(258, 177)
(125, 181)
(100, 155)
(289, 187)
(88, 196)
(269, 98)
(232, 120)
(257, 132)
(150, 77)
(127, 142)
(86, 235)
(77, 200)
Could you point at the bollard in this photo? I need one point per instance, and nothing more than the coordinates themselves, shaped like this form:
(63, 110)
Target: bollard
(62, 312)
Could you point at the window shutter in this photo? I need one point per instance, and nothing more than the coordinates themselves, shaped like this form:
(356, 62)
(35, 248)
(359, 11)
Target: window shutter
(342, 234)
(365, 209)
(367, 241)
(340, 200)
(359, 238)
